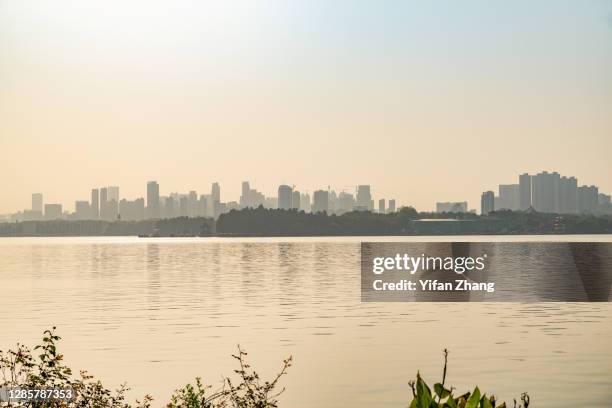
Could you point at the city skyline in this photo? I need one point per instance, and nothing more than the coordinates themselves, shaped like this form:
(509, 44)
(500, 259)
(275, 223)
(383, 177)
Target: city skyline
(548, 192)
(426, 101)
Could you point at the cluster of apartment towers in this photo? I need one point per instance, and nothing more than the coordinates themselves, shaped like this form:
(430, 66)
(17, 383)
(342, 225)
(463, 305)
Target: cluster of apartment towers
(106, 205)
(546, 192)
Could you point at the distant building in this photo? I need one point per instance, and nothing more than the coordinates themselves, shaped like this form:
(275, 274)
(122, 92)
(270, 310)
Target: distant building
(545, 192)
(344, 203)
(487, 202)
(364, 198)
(113, 193)
(567, 195)
(244, 198)
(82, 210)
(295, 200)
(320, 201)
(382, 206)
(53, 211)
(452, 207)
(94, 209)
(37, 202)
(587, 199)
(603, 199)
(509, 197)
(169, 208)
(153, 199)
(132, 210)
(104, 208)
(391, 205)
(215, 192)
(305, 202)
(285, 196)
(524, 191)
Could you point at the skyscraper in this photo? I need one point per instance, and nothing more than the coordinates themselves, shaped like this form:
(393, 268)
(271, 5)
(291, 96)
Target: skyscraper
(545, 192)
(113, 193)
(37, 202)
(215, 193)
(391, 205)
(82, 210)
(525, 191)
(305, 202)
(104, 207)
(381, 206)
(53, 211)
(152, 199)
(487, 202)
(587, 199)
(509, 197)
(95, 204)
(244, 197)
(568, 195)
(295, 200)
(364, 198)
(320, 201)
(285, 195)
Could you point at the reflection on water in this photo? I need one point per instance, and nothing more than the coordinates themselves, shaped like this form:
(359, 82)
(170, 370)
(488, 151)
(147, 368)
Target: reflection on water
(156, 313)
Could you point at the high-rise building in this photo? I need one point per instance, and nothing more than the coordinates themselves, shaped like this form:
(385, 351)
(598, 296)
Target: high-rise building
(215, 193)
(305, 202)
(525, 191)
(320, 201)
(113, 193)
(295, 200)
(509, 197)
(587, 201)
(53, 211)
(132, 210)
(184, 206)
(603, 199)
(545, 192)
(244, 197)
(391, 205)
(82, 210)
(95, 204)
(568, 195)
(382, 206)
(344, 203)
(364, 198)
(153, 199)
(285, 196)
(487, 202)
(192, 210)
(37, 202)
(169, 210)
(105, 211)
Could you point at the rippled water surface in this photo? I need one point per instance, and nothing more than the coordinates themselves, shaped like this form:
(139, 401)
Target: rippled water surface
(158, 312)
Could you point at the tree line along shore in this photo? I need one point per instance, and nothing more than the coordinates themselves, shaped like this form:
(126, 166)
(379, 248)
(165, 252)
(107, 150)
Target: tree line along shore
(276, 222)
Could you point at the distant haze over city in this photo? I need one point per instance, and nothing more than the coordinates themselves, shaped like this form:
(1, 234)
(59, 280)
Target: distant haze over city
(425, 102)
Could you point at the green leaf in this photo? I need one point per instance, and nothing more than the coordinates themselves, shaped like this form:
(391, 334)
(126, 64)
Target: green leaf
(474, 399)
(450, 403)
(441, 392)
(486, 403)
(423, 393)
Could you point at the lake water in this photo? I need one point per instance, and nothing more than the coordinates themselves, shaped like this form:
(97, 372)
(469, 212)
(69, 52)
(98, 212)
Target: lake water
(155, 313)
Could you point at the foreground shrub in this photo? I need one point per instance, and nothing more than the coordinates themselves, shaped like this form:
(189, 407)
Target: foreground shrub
(442, 397)
(23, 367)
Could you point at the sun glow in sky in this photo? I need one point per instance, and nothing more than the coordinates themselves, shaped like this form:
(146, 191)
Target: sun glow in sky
(425, 101)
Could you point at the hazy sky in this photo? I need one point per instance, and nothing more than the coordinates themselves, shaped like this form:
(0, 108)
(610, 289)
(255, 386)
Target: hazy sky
(426, 101)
